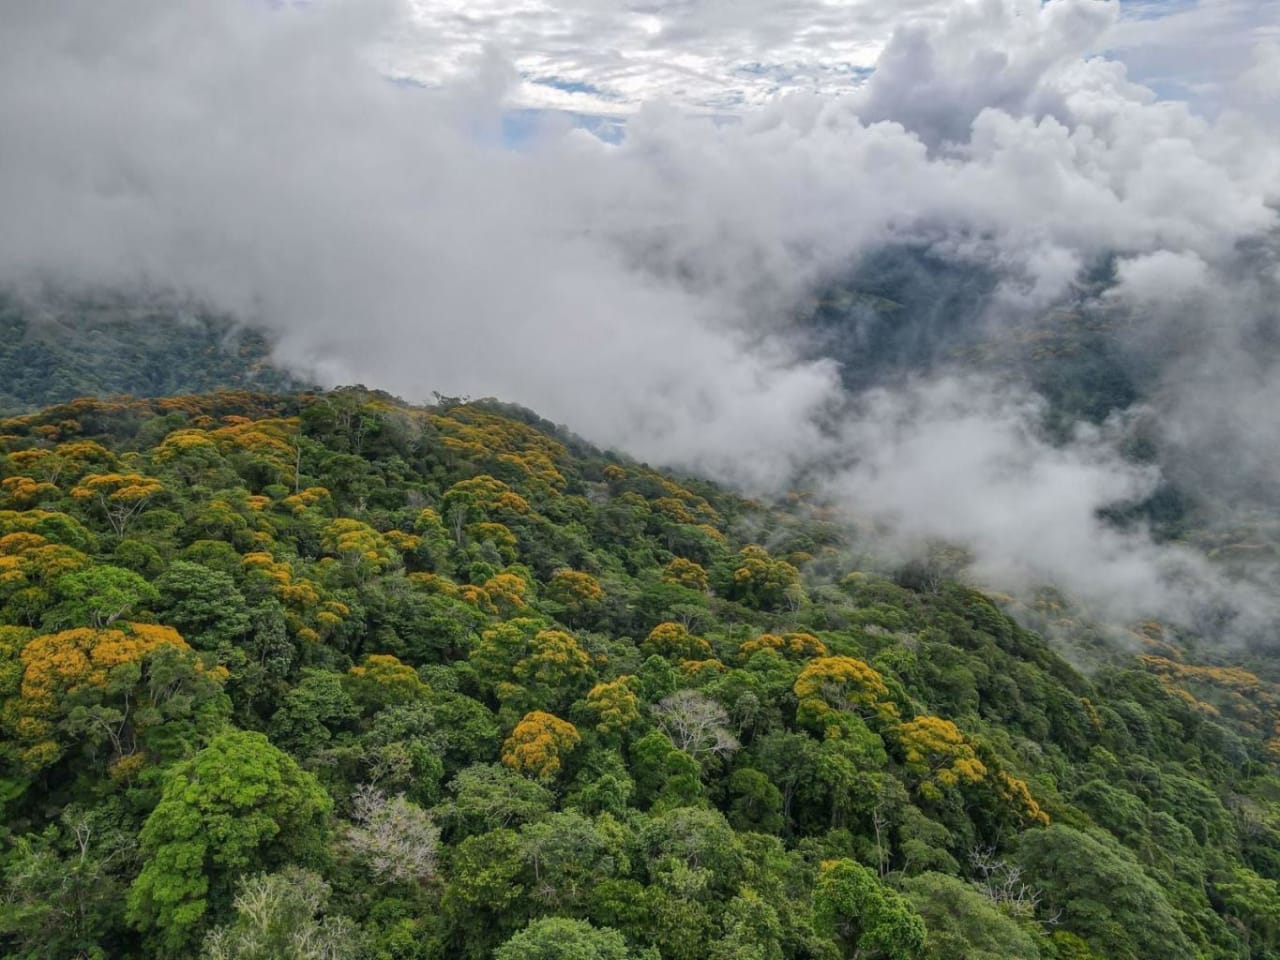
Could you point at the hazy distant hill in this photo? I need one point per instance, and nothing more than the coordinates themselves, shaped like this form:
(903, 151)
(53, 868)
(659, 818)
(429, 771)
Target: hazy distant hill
(903, 310)
(63, 349)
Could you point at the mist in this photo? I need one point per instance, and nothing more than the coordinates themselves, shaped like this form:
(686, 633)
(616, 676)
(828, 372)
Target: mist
(257, 158)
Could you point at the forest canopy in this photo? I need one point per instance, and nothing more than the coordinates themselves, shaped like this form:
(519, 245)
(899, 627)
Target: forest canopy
(324, 674)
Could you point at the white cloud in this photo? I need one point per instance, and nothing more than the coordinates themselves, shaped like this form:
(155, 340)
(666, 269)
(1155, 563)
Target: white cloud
(1163, 278)
(643, 293)
(723, 58)
(1193, 49)
(705, 55)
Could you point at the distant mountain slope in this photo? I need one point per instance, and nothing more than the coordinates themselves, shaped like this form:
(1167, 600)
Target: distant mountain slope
(905, 310)
(63, 349)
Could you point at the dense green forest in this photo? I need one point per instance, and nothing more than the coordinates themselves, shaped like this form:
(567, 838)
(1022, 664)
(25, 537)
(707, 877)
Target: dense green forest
(322, 675)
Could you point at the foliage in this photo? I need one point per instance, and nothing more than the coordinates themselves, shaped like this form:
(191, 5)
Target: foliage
(867, 919)
(538, 744)
(555, 938)
(326, 675)
(395, 839)
(238, 805)
(276, 919)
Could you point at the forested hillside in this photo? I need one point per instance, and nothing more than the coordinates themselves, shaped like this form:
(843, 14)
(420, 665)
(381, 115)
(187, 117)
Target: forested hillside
(55, 349)
(325, 675)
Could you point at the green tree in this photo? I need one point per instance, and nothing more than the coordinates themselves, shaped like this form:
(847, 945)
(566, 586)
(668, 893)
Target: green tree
(60, 892)
(489, 796)
(312, 712)
(757, 803)
(868, 920)
(965, 925)
(558, 938)
(205, 605)
(98, 596)
(1097, 889)
(751, 930)
(236, 806)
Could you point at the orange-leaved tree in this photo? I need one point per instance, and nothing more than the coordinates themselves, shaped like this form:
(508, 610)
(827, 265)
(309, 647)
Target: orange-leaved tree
(938, 755)
(538, 745)
(120, 496)
(615, 705)
(830, 686)
(674, 641)
(112, 686)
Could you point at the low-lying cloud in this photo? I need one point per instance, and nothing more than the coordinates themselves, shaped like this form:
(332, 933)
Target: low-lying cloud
(250, 157)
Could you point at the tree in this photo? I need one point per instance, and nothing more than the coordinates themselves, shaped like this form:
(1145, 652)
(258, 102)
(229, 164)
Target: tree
(60, 889)
(490, 796)
(757, 803)
(480, 499)
(797, 646)
(238, 805)
(868, 920)
(615, 705)
(312, 711)
(395, 839)
(558, 938)
(361, 550)
(673, 641)
(538, 745)
(278, 917)
(828, 686)
(665, 776)
(25, 492)
(120, 497)
(938, 755)
(381, 680)
(485, 900)
(567, 854)
(1253, 901)
(685, 573)
(696, 724)
(29, 567)
(204, 604)
(762, 581)
(555, 666)
(113, 687)
(98, 596)
(965, 925)
(496, 652)
(752, 930)
(579, 593)
(693, 853)
(1097, 889)
(403, 749)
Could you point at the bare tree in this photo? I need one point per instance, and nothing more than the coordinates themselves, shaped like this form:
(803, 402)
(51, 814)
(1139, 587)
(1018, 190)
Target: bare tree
(1003, 884)
(696, 724)
(278, 917)
(881, 824)
(394, 838)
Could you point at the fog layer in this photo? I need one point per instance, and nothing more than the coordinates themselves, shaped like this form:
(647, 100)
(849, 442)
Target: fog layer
(253, 157)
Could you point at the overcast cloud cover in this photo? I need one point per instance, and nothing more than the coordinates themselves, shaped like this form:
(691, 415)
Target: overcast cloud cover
(257, 157)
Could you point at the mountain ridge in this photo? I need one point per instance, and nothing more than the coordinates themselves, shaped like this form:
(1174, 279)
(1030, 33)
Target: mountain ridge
(512, 690)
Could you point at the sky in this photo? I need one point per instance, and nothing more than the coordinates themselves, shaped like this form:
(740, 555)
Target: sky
(613, 212)
(721, 58)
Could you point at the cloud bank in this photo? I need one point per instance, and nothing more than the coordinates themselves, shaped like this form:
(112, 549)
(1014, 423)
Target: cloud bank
(255, 158)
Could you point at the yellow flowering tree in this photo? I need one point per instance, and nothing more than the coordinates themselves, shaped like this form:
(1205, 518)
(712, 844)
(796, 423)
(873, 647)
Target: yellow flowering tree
(830, 686)
(538, 745)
